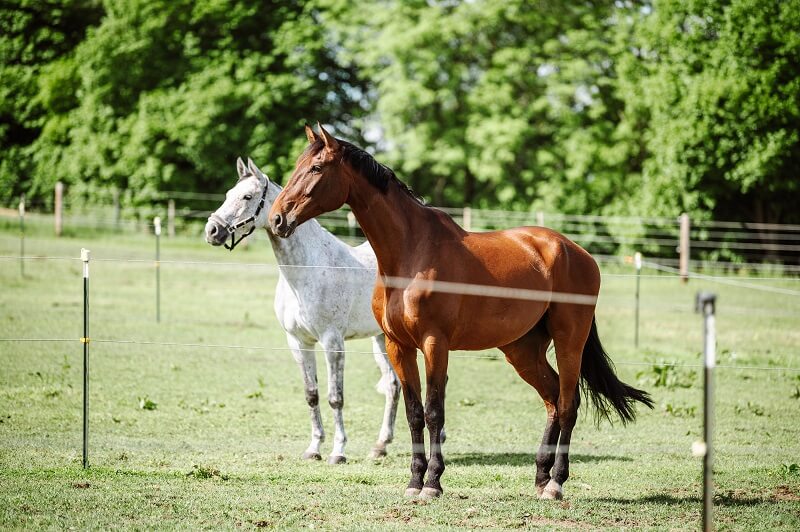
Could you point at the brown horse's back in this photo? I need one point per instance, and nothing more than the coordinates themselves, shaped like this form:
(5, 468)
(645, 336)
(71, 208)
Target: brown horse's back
(531, 259)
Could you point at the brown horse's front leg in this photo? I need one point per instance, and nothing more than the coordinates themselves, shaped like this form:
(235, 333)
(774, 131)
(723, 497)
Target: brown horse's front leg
(404, 362)
(436, 356)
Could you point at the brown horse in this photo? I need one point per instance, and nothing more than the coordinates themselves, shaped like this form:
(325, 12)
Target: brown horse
(525, 287)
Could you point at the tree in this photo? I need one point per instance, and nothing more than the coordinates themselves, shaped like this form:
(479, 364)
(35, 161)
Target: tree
(35, 37)
(496, 103)
(718, 85)
(164, 95)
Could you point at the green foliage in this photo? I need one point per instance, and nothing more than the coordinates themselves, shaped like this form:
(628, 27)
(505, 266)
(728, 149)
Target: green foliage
(640, 107)
(790, 469)
(145, 403)
(715, 85)
(680, 410)
(485, 102)
(752, 407)
(206, 472)
(667, 375)
(163, 95)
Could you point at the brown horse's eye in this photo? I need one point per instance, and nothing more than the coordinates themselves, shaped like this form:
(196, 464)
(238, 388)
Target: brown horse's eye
(316, 169)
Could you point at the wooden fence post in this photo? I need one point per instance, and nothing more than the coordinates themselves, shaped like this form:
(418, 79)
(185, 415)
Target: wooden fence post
(683, 248)
(59, 207)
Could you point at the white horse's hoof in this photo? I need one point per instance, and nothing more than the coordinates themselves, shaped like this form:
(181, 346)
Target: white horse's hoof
(430, 493)
(552, 492)
(411, 493)
(337, 459)
(311, 456)
(377, 452)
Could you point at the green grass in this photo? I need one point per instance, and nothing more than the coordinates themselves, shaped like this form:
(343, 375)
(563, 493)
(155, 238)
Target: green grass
(205, 437)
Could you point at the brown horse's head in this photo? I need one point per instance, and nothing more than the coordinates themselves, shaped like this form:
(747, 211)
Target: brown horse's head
(319, 184)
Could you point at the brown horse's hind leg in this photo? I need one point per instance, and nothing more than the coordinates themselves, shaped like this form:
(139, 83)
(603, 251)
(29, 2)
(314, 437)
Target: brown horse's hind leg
(404, 362)
(528, 355)
(569, 324)
(436, 353)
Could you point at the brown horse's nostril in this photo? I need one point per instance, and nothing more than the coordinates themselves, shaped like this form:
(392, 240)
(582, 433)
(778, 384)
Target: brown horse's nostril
(277, 220)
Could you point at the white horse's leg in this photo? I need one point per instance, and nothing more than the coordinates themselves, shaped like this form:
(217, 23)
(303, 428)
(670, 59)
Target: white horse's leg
(390, 387)
(333, 344)
(304, 356)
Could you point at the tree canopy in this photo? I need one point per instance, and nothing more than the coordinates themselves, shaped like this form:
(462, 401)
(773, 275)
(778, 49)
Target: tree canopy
(626, 107)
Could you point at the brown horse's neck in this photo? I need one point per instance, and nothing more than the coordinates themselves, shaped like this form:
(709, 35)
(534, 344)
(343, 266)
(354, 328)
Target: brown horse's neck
(393, 222)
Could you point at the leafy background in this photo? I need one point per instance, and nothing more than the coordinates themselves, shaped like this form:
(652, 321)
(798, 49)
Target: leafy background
(641, 108)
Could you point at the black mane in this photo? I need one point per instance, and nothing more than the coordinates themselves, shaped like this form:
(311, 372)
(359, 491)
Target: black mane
(362, 162)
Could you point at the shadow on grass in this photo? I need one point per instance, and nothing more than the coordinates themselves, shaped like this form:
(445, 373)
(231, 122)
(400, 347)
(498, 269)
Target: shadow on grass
(523, 459)
(670, 500)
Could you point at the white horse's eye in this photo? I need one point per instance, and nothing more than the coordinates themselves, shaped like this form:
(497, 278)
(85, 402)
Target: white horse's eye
(248, 197)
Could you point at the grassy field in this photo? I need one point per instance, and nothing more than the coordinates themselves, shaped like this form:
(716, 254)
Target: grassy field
(210, 437)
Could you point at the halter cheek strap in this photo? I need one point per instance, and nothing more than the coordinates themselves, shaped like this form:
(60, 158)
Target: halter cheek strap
(238, 225)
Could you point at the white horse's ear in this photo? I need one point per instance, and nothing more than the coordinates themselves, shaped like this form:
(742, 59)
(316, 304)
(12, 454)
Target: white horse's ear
(252, 167)
(312, 137)
(256, 171)
(240, 167)
(330, 143)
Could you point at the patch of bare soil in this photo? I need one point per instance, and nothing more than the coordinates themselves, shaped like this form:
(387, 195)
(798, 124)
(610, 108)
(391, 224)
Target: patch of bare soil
(785, 493)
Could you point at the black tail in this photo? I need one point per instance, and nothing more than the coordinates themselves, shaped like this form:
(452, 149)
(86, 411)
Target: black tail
(600, 384)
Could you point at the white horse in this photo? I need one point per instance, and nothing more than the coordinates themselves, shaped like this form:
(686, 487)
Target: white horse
(324, 295)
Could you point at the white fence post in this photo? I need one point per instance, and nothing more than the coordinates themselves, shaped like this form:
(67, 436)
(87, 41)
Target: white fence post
(85, 341)
(637, 261)
(22, 236)
(157, 230)
(705, 303)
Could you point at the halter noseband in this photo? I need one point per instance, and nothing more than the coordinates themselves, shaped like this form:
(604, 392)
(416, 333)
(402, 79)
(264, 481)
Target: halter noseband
(232, 228)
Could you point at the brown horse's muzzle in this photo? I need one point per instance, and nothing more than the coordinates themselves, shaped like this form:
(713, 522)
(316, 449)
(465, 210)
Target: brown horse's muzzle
(281, 225)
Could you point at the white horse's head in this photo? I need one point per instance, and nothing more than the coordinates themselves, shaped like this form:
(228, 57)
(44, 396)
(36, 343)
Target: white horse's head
(245, 207)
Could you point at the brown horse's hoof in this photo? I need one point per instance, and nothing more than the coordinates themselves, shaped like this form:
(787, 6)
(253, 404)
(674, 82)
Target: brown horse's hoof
(430, 493)
(337, 459)
(311, 456)
(552, 492)
(411, 493)
(377, 452)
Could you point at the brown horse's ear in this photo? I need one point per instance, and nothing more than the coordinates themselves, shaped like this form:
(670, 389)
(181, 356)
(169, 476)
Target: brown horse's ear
(312, 137)
(330, 143)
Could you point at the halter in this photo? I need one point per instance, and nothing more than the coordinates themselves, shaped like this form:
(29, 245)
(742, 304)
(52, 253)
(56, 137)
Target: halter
(238, 225)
